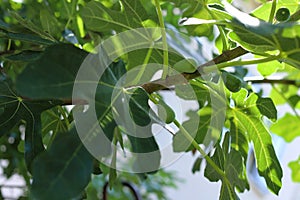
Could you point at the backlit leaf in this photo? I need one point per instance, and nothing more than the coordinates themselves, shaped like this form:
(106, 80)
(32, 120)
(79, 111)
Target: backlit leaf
(287, 127)
(266, 159)
(295, 167)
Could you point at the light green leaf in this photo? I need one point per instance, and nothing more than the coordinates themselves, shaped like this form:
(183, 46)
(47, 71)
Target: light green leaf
(186, 65)
(287, 127)
(283, 37)
(264, 10)
(295, 167)
(287, 90)
(266, 159)
(263, 38)
(268, 68)
(246, 103)
(239, 140)
(72, 166)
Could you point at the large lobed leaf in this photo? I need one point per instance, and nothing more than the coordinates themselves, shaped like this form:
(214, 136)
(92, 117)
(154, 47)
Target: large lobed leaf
(53, 79)
(230, 162)
(261, 37)
(97, 17)
(60, 172)
(14, 109)
(257, 36)
(248, 118)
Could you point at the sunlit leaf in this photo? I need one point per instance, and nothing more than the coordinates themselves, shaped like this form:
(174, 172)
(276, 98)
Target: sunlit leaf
(295, 167)
(287, 127)
(263, 11)
(266, 159)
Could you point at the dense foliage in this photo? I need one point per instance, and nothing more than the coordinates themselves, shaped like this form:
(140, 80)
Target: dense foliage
(43, 45)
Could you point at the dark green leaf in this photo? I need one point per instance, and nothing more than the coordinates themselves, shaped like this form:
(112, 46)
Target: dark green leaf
(165, 112)
(52, 124)
(219, 159)
(227, 193)
(48, 83)
(148, 158)
(33, 139)
(231, 163)
(282, 14)
(197, 165)
(293, 100)
(236, 171)
(3, 25)
(26, 38)
(267, 108)
(197, 126)
(15, 108)
(31, 26)
(139, 108)
(49, 22)
(60, 172)
(25, 56)
(232, 82)
(195, 91)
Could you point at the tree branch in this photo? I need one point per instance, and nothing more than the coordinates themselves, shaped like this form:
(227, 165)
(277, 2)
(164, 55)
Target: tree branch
(259, 80)
(177, 79)
(295, 17)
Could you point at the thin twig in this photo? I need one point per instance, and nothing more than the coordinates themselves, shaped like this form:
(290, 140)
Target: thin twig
(184, 77)
(295, 17)
(255, 80)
